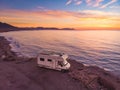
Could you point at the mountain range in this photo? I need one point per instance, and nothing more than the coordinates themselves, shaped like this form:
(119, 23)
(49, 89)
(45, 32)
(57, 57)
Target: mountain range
(4, 27)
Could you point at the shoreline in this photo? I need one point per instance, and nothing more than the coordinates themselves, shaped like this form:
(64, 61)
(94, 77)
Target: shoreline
(79, 77)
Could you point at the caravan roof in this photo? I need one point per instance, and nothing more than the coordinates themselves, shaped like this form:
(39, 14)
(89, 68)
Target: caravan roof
(52, 53)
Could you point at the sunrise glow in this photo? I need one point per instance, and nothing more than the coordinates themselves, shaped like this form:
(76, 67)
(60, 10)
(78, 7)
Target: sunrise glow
(78, 14)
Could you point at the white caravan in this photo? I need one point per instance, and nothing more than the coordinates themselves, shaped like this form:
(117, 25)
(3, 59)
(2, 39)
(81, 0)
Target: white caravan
(53, 60)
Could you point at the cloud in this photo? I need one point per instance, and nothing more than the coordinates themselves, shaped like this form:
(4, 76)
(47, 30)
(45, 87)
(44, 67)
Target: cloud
(58, 18)
(92, 3)
(105, 5)
(76, 2)
(99, 13)
(115, 7)
(68, 2)
(97, 3)
(56, 13)
(89, 2)
(38, 8)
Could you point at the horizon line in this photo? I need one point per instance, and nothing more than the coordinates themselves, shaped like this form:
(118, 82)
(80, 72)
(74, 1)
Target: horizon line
(88, 28)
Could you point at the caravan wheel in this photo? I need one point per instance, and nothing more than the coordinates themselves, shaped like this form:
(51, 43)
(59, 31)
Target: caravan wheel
(64, 71)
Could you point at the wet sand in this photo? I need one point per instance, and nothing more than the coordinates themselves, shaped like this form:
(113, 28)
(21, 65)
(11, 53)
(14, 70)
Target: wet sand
(23, 74)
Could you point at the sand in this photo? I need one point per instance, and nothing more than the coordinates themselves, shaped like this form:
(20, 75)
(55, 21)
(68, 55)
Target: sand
(23, 74)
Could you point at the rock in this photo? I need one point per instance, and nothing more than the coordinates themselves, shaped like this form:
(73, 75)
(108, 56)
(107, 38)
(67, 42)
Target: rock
(5, 50)
(89, 80)
(3, 57)
(109, 82)
(94, 78)
(9, 58)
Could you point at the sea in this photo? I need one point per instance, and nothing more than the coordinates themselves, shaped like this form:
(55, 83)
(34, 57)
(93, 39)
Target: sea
(95, 48)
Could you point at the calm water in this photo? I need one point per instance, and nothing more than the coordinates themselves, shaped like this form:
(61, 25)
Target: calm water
(101, 48)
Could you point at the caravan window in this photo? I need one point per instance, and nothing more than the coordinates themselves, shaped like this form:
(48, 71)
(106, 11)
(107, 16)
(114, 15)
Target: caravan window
(50, 60)
(41, 59)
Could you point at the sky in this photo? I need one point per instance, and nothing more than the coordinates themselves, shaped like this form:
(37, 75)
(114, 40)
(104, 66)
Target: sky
(78, 14)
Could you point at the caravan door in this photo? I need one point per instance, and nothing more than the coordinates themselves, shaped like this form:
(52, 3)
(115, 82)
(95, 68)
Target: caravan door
(50, 63)
(60, 65)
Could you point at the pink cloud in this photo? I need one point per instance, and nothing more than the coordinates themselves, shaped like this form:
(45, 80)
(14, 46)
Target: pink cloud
(89, 2)
(94, 3)
(97, 3)
(78, 2)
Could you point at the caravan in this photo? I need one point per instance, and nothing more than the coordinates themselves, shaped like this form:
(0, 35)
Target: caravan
(53, 60)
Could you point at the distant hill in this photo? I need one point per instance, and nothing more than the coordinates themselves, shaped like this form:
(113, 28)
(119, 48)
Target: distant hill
(7, 27)
(4, 27)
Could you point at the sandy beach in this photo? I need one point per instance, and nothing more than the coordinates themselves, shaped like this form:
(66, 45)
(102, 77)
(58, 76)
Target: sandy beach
(19, 73)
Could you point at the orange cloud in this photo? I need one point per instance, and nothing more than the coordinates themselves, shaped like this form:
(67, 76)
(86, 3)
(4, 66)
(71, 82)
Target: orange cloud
(56, 18)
